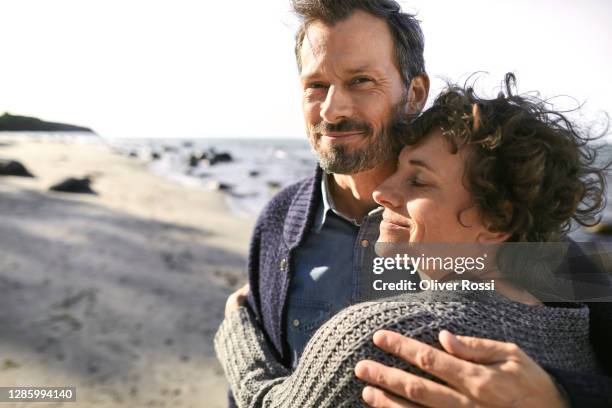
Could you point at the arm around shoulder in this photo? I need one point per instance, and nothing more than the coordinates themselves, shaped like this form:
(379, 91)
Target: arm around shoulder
(324, 377)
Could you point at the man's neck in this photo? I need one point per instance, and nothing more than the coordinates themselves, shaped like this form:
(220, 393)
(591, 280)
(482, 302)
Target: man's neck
(352, 193)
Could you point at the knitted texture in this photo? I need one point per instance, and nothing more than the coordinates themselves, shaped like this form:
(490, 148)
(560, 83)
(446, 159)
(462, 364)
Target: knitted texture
(324, 377)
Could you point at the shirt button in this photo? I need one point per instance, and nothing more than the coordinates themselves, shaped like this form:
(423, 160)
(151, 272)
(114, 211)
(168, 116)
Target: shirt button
(365, 243)
(296, 322)
(283, 264)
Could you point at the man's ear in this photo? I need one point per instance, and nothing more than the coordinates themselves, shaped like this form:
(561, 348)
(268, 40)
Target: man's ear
(417, 93)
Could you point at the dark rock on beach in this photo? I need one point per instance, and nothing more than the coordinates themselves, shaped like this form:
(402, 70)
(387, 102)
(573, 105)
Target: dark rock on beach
(210, 158)
(221, 158)
(13, 168)
(274, 185)
(193, 160)
(254, 173)
(215, 185)
(74, 185)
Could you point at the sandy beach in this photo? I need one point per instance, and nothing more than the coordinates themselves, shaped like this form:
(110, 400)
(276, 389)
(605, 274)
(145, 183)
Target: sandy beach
(118, 294)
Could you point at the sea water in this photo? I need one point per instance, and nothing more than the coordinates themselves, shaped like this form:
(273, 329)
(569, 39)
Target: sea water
(259, 167)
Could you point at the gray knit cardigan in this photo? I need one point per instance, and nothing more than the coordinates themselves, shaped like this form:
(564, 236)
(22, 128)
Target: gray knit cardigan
(553, 336)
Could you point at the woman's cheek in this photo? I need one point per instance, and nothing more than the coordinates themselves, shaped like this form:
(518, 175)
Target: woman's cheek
(415, 237)
(417, 233)
(432, 226)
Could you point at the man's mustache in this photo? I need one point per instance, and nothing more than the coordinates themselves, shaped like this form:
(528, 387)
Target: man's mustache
(345, 125)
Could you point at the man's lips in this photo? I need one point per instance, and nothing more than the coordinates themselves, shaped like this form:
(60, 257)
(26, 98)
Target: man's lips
(342, 136)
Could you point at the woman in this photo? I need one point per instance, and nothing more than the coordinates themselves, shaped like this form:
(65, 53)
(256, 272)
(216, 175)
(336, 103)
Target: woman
(473, 171)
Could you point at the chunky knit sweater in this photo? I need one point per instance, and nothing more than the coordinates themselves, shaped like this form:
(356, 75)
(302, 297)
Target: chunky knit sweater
(553, 336)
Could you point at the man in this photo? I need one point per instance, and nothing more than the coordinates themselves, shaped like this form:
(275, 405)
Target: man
(361, 67)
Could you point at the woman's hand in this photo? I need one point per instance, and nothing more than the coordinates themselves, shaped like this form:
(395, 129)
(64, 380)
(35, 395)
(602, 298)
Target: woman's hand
(479, 373)
(236, 299)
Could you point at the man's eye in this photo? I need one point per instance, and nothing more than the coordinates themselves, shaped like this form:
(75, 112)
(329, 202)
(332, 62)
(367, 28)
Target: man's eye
(361, 80)
(316, 85)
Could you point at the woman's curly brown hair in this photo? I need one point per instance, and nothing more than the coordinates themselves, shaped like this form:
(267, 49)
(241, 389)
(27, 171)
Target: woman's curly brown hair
(530, 169)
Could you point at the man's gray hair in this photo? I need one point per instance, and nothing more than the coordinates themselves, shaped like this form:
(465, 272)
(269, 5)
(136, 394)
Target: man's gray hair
(405, 29)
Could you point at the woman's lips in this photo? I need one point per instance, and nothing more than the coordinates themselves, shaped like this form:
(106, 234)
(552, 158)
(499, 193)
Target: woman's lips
(395, 220)
(394, 226)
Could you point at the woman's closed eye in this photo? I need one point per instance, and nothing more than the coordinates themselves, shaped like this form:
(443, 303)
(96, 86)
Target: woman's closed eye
(416, 181)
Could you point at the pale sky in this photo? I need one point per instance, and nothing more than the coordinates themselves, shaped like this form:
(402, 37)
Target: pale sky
(180, 68)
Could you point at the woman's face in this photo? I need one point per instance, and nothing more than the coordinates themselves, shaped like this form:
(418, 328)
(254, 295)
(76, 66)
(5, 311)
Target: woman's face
(425, 200)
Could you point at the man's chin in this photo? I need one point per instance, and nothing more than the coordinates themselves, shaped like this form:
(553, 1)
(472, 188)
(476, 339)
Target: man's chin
(326, 146)
(351, 157)
(339, 162)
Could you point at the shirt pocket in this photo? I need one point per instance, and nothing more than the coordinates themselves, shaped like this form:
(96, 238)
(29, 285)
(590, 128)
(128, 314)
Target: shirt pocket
(307, 315)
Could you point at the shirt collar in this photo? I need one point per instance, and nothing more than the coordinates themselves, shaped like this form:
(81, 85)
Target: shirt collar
(329, 205)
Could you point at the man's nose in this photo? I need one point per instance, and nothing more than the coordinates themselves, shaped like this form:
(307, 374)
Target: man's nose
(337, 105)
(388, 194)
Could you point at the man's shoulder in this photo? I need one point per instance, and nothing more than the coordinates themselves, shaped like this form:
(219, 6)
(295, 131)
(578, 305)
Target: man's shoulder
(284, 197)
(280, 204)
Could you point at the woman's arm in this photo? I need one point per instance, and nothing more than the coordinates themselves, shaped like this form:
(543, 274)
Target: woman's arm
(325, 375)
(250, 367)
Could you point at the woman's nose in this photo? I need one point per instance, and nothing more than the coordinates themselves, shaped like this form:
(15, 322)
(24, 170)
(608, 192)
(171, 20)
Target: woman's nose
(388, 194)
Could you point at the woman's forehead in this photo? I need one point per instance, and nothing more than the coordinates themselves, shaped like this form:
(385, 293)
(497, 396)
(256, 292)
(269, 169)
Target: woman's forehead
(434, 151)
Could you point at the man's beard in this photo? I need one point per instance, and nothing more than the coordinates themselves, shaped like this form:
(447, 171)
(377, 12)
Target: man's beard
(381, 147)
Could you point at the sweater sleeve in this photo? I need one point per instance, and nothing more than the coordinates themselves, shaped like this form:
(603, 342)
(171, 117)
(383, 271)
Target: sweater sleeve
(249, 365)
(324, 377)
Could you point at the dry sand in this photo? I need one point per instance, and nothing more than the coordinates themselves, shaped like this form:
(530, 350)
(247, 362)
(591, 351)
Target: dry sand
(118, 294)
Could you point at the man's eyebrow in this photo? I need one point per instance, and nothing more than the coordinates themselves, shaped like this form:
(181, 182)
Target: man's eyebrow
(314, 75)
(359, 70)
(309, 76)
(421, 163)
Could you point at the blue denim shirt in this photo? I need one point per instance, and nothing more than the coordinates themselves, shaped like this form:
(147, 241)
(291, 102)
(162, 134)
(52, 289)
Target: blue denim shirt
(327, 270)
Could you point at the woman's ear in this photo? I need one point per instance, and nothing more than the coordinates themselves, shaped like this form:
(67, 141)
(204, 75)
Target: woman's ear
(492, 237)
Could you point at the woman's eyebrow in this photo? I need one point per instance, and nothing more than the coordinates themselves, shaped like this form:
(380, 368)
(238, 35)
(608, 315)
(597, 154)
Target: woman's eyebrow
(421, 163)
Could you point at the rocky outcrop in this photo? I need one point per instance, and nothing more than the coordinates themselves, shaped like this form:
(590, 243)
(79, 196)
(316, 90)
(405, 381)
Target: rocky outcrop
(16, 123)
(13, 168)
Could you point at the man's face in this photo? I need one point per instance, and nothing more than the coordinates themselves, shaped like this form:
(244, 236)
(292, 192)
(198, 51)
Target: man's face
(352, 91)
